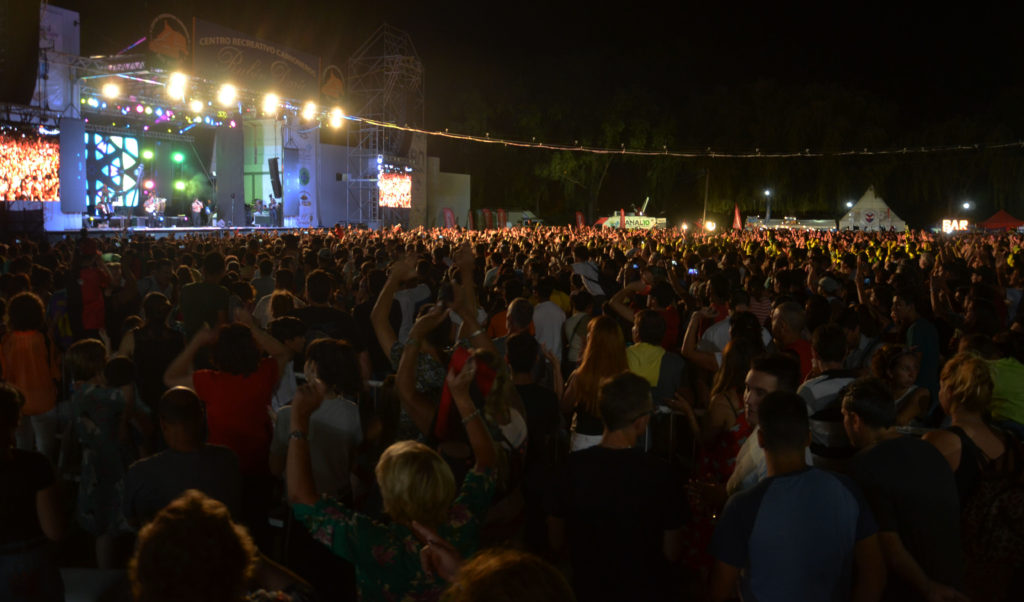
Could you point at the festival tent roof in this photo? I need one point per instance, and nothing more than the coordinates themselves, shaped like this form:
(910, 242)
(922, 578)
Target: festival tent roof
(871, 213)
(1001, 221)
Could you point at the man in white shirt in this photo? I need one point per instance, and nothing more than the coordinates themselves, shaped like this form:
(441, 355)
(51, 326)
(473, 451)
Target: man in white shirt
(548, 318)
(716, 337)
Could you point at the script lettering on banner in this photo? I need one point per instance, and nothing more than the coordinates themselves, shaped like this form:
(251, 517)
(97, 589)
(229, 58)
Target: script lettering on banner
(222, 54)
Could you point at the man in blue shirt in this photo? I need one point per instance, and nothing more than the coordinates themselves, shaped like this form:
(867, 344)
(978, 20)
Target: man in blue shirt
(800, 534)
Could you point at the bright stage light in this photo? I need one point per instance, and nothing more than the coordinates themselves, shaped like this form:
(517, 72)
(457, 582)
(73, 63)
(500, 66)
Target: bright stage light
(710, 226)
(139, 108)
(147, 154)
(111, 90)
(227, 94)
(336, 116)
(178, 157)
(270, 103)
(196, 106)
(148, 184)
(179, 185)
(309, 111)
(176, 85)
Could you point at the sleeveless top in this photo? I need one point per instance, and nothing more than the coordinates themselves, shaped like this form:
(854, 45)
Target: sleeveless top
(972, 459)
(719, 460)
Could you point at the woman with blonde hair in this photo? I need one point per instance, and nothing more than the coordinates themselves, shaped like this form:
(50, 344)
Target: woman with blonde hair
(417, 488)
(965, 391)
(604, 354)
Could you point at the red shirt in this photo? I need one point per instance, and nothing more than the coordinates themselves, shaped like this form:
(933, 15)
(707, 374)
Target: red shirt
(236, 412)
(93, 305)
(802, 347)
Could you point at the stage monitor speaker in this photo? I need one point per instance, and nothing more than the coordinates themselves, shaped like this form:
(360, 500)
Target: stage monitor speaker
(19, 50)
(72, 165)
(275, 177)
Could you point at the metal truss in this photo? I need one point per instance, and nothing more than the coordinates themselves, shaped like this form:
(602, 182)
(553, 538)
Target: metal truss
(385, 80)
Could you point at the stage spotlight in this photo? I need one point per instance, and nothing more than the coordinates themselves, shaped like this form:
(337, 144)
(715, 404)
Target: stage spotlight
(179, 184)
(111, 90)
(196, 106)
(309, 111)
(139, 108)
(227, 94)
(710, 226)
(178, 157)
(336, 116)
(176, 85)
(148, 184)
(147, 154)
(270, 104)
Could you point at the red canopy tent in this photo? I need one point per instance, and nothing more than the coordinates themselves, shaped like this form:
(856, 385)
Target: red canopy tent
(1001, 221)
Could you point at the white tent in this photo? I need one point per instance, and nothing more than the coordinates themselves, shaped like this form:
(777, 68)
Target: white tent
(871, 213)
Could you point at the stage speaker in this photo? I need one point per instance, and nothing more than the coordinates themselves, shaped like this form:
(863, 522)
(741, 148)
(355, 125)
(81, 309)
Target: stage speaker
(275, 177)
(19, 50)
(72, 165)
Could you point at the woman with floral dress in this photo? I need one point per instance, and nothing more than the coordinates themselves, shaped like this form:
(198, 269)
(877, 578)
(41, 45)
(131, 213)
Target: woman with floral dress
(417, 487)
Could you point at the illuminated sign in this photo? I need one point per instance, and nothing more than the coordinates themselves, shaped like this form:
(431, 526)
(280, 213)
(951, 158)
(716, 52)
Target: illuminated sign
(953, 225)
(632, 222)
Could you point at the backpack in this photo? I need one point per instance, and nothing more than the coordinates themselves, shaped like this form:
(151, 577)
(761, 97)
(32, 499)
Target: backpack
(992, 517)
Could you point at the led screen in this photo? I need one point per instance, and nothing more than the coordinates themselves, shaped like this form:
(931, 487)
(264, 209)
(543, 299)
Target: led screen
(29, 167)
(113, 169)
(395, 190)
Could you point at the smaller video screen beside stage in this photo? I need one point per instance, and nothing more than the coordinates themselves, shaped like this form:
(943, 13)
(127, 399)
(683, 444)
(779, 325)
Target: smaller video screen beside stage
(29, 165)
(395, 190)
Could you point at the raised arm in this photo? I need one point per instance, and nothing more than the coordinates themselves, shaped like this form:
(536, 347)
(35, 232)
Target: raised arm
(419, 407)
(689, 349)
(179, 373)
(276, 349)
(301, 487)
(618, 300)
(401, 270)
(472, 418)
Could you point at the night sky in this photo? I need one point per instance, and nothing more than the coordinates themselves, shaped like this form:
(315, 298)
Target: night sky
(928, 64)
(932, 63)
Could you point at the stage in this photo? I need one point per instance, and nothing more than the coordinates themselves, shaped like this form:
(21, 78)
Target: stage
(166, 232)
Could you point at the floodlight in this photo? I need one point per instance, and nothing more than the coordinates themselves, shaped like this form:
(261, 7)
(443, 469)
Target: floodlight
(710, 226)
(111, 90)
(179, 184)
(196, 106)
(178, 157)
(309, 111)
(176, 85)
(270, 103)
(148, 184)
(227, 94)
(147, 154)
(336, 116)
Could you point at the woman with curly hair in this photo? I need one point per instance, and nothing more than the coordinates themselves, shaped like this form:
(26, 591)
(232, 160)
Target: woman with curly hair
(604, 354)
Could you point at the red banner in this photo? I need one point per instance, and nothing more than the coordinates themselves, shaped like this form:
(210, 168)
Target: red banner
(449, 217)
(580, 222)
(502, 218)
(622, 219)
(471, 221)
(737, 223)
(488, 219)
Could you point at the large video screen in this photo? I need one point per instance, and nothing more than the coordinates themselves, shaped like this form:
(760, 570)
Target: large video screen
(395, 190)
(113, 169)
(29, 167)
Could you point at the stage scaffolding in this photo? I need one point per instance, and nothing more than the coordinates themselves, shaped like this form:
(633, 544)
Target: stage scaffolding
(385, 79)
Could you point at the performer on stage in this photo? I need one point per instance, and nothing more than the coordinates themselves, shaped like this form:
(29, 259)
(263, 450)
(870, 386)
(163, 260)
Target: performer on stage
(197, 212)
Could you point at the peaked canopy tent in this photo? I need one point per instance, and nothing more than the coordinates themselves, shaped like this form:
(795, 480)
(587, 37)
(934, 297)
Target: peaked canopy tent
(871, 213)
(1001, 221)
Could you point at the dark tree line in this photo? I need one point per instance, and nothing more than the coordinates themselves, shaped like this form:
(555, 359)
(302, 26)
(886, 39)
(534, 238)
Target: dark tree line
(762, 116)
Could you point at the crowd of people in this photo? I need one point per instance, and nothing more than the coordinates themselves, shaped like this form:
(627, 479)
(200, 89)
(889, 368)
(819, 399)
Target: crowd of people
(29, 169)
(546, 413)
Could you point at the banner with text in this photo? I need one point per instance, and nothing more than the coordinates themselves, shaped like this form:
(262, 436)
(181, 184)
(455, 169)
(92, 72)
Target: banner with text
(223, 54)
